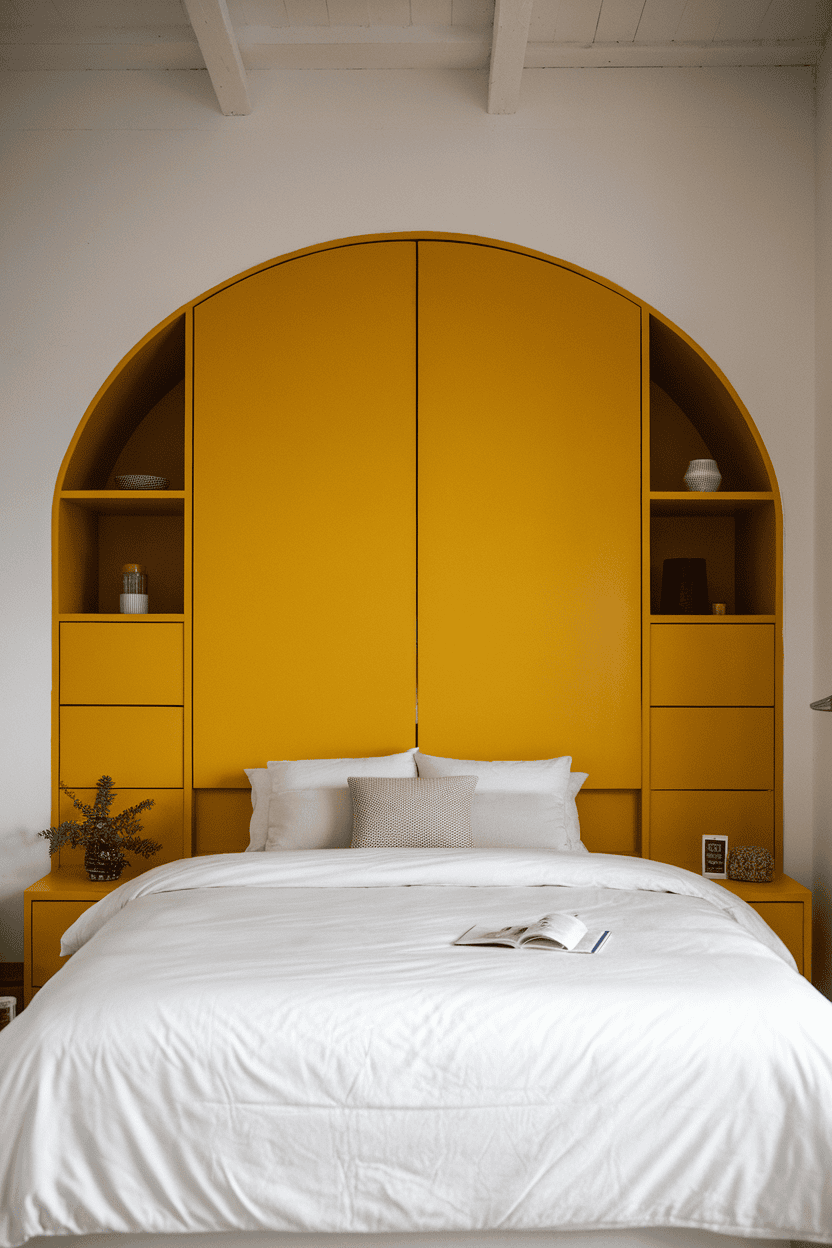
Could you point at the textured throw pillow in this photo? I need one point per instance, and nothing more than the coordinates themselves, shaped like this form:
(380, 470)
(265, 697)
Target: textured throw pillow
(309, 805)
(523, 804)
(412, 814)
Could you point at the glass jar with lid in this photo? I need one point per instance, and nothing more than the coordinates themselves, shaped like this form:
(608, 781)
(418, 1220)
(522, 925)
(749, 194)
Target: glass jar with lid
(133, 599)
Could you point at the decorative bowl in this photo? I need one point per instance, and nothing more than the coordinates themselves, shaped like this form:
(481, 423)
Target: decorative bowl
(140, 481)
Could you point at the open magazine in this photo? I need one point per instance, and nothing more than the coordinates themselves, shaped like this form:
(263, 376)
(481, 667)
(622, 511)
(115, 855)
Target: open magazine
(562, 932)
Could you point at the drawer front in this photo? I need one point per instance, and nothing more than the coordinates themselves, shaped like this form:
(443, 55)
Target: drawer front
(712, 665)
(126, 664)
(786, 919)
(139, 746)
(162, 823)
(712, 748)
(678, 820)
(50, 919)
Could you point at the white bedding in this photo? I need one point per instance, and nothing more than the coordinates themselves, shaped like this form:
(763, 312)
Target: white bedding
(291, 1042)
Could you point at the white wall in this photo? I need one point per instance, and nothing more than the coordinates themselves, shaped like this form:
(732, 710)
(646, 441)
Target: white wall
(822, 885)
(126, 194)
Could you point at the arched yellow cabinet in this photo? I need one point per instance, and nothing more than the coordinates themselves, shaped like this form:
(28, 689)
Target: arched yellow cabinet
(425, 471)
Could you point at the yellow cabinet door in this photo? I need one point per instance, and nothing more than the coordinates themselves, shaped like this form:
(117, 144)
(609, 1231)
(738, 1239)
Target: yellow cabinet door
(139, 746)
(712, 665)
(680, 818)
(787, 920)
(529, 513)
(726, 747)
(126, 664)
(305, 512)
(50, 919)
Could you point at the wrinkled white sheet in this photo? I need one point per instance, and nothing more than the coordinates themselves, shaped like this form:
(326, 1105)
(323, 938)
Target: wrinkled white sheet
(291, 1042)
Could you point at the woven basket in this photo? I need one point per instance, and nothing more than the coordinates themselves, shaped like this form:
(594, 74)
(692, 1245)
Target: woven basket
(751, 863)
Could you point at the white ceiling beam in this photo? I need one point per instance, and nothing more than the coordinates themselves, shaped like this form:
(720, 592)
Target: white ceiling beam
(218, 45)
(508, 54)
(647, 55)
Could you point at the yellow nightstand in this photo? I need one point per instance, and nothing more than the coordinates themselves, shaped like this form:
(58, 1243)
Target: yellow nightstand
(787, 908)
(52, 904)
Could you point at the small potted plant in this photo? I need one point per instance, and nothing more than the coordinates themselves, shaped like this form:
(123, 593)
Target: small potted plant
(104, 837)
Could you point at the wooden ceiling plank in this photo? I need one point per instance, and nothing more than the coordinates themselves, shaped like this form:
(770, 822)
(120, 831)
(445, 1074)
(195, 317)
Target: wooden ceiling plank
(508, 54)
(389, 12)
(699, 21)
(218, 45)
(348, 12)
(577, 21)
(544, 21)
(659, 21)
(741, 20)
(618, 21)
(643, 56)
(794, 19)
(431, 12)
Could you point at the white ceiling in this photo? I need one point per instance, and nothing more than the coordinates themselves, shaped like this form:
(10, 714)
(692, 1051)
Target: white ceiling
(234, 36)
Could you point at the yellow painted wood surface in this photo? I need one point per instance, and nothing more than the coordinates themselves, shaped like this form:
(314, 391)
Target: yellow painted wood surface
(529, 526)
(139, 746)
(609, 820)
(768, 899)
(221, 821)
(680, 818)
(162, 823)
(121, 664)
(722, 747)
(50, 919)
(786, 919)
(304, 513)
(695, 665)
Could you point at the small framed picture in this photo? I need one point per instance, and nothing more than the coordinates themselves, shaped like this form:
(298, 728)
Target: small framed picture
(715, 857)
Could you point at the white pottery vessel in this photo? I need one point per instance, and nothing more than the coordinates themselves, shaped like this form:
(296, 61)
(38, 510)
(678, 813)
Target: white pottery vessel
(703, 475)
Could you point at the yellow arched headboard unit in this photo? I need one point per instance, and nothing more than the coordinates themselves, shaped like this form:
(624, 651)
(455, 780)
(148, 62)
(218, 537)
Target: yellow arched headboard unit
(420, 468)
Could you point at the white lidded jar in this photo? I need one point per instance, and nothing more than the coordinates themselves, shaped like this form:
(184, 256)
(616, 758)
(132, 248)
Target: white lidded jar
(133, 599)
(703, 475)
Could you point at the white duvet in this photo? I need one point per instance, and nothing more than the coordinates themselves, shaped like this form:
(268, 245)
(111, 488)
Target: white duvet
(290, 1041)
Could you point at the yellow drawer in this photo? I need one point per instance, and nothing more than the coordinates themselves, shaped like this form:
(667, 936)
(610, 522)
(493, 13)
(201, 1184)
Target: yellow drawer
(139, 746)
(162, 823)
(712, 665)
(50, 919)
(712, 747)
(127, 664)
(786, 919)
(679, 819)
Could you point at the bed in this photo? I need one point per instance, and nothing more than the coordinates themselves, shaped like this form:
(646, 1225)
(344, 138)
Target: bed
(284, 1046)
(290, 1042)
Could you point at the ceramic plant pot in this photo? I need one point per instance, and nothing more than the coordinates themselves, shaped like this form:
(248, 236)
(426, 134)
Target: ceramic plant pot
(703, 475)
(103, 861)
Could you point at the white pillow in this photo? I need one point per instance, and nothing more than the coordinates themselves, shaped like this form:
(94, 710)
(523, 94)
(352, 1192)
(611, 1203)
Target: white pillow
(527, 804)
(261, 791)
(310, 805)
(573, 823)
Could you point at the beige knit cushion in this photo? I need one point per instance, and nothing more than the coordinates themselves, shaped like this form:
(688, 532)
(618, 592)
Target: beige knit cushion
(412, 814)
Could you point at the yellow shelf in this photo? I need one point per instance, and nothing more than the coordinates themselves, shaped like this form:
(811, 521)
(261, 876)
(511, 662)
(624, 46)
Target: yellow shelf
(691, 503)
(128, 502)
(712, 619)
(104, 617)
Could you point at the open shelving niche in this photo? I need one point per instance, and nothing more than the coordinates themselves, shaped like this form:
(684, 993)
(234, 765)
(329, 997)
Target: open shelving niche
(693, 413)
(139, 422)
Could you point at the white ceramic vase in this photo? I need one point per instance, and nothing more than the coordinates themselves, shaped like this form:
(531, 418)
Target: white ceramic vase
(703, 475)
